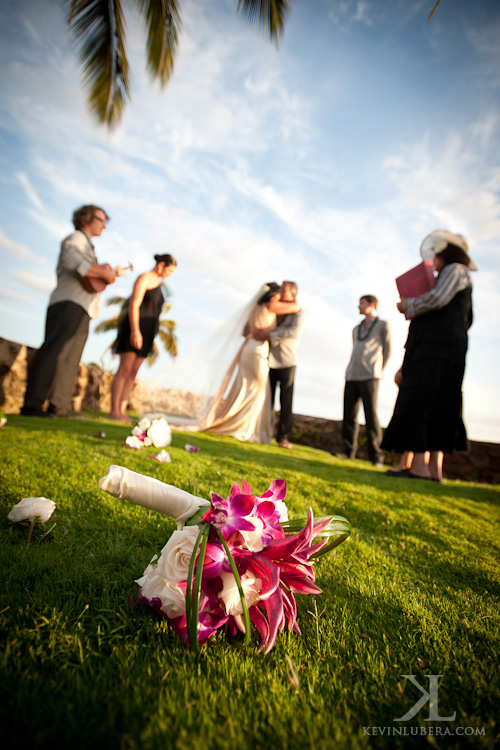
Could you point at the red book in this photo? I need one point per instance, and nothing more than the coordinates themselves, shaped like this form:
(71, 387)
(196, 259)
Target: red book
(417, 280)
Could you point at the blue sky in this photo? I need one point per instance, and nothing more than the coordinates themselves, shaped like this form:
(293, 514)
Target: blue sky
(326, 162)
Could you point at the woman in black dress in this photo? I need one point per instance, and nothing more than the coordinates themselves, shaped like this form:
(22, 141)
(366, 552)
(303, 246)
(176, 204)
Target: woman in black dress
(137, 331)
(428, 411)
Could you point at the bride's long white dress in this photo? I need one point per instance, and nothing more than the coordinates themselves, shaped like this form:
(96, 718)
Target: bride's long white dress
(242, 405)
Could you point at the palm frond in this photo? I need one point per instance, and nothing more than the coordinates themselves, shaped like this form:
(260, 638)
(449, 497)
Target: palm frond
(271, 15)
(122, 301)
(432, 11)
(166, 290)
(108, 325)
(155, 353)
(98, 27)
(167, 337)
(163, 25)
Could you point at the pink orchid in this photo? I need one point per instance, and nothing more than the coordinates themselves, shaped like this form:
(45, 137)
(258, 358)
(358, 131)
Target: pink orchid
(231, 514)
(271, 565)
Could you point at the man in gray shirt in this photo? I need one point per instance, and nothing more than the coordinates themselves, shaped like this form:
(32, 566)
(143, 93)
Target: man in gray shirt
(283, 353)
(72, 304)
(370, 354)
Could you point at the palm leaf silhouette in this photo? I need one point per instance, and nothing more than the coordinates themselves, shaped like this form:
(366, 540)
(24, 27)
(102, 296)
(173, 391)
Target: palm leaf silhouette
(98, 29)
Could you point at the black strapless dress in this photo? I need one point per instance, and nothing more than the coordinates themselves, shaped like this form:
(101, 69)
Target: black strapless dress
(149, 323)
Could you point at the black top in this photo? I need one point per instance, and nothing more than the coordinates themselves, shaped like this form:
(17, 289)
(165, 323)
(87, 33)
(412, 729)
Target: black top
(149, 323)
(449, 325)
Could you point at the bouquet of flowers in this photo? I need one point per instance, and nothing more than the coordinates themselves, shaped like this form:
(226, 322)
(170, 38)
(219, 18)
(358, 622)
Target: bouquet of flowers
(150, 431)
(232, 561)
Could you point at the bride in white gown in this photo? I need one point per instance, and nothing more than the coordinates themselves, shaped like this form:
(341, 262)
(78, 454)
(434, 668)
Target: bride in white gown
(242, 405)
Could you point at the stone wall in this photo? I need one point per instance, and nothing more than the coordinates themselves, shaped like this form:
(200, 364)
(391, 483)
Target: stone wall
(92, 391)
(480, 464)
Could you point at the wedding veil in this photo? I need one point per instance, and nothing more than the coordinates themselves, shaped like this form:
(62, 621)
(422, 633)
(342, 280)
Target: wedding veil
(193, 379)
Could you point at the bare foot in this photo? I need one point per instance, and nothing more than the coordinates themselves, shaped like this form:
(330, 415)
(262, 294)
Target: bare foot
(119, 417)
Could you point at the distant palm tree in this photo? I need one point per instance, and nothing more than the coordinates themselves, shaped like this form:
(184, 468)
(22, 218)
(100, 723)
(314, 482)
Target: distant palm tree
(98, 27)
(166, 332)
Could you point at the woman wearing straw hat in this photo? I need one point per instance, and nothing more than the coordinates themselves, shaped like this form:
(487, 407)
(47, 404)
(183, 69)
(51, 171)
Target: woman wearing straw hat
(428, 411)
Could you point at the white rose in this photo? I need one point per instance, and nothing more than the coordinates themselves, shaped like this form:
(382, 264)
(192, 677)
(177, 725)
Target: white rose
(133, 442)
(160, 433)
(144, 424)
(137, 431)
(231, 596)
(3, 420)
(147, 441)
(253, 539)
(282, 510)
(30, 507)
(154, 586)
(176, 554)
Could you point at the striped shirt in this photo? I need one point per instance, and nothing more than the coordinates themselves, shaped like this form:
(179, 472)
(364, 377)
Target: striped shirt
(454, 278)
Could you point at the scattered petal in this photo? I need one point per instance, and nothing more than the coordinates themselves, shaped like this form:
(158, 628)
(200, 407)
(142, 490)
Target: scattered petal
(100, 435)
(162, 456)
(191, 448)
(3, 420)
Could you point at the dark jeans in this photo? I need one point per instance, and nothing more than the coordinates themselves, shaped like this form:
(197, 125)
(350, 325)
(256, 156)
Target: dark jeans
(355, 392)
(285, 377)
(55, 365)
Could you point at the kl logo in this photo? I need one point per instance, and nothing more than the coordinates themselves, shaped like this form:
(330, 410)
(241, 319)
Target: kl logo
(430, 696)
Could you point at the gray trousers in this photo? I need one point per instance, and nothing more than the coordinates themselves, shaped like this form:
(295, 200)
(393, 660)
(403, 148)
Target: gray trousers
(54, 367)
(357, 391)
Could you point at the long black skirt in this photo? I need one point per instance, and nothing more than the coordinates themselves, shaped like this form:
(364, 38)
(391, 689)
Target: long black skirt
(428, 411)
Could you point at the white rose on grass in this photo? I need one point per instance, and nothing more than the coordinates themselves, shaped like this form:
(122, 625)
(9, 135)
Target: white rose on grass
(3, 420)
(176, 554)
(231, 596)
(30, 507)
(160, 433)
(143, 425)
(155, 586)
(133, 442)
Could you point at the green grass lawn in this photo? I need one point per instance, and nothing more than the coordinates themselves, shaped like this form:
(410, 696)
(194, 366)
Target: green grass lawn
(414, 591)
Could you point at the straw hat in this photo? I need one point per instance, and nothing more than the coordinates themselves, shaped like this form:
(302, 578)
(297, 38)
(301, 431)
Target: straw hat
(437, 241)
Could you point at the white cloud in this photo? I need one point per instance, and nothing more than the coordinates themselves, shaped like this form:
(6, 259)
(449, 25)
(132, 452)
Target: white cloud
(18, 251)
(34, 281)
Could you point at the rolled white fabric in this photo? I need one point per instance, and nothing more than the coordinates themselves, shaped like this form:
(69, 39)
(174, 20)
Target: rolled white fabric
(151, 493)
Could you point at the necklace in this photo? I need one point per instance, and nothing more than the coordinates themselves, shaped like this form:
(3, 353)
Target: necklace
(367, 330)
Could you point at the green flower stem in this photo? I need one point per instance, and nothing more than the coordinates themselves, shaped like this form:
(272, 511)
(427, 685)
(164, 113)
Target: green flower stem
(192, 599)
(240, 588)
(196, 518)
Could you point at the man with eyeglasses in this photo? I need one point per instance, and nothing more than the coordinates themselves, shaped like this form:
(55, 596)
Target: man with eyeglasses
(71, 306)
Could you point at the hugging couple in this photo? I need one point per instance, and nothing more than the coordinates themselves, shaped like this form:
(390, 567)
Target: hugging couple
(243, 405)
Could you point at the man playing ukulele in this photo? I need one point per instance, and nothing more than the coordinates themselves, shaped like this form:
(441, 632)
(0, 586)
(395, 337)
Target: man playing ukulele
(72, 304)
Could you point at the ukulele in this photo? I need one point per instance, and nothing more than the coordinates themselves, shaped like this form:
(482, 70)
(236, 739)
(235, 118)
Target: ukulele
(94, 284)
